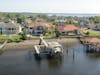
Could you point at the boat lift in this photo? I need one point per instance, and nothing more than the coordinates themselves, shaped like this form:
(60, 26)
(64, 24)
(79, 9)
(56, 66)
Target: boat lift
(1, 46)
(48, 48)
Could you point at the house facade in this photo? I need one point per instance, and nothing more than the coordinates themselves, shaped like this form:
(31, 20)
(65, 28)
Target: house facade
(38, 28)
(98, 27)
(68, 30)
(94, 26)
(10, 28)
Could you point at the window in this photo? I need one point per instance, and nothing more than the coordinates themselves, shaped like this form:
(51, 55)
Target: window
(13, 28)
(40, 28)
(0, 28)
(63, 32)
(31, 28)
(9, 28)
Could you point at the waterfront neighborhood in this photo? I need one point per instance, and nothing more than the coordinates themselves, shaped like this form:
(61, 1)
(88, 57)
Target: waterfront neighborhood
(19, 27)
(49, 37)
(37, 24)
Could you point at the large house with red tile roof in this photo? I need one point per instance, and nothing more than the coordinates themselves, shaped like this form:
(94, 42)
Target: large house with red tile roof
(68, 29)
(38, 28)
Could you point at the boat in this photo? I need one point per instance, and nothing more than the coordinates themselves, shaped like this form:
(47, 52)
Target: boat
(48, 48)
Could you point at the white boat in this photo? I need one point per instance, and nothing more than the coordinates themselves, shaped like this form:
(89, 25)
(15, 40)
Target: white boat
(49, 48)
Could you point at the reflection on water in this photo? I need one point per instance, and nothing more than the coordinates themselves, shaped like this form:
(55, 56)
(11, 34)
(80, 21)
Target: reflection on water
(73, 62)
(54, 62)
(93, 55)
(1, 51)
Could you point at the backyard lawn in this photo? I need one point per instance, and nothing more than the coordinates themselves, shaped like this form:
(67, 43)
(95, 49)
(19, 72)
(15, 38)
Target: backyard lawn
(92, 33)
(10, 38)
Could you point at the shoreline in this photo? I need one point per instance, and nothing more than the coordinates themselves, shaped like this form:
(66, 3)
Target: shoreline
(29, 44)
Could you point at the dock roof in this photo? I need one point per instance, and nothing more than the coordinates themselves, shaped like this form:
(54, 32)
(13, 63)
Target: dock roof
(92, 40)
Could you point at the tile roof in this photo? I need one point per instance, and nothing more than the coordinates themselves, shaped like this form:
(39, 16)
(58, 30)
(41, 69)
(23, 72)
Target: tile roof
(34, 24)
(92, 40)
(68, 27)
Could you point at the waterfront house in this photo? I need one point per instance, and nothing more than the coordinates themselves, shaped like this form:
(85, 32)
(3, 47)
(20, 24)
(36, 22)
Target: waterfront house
(91, 26)
(68, 29)
(38, 28)
(10, 28)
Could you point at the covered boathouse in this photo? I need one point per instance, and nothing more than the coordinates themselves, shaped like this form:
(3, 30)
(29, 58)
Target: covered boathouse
(92, 44)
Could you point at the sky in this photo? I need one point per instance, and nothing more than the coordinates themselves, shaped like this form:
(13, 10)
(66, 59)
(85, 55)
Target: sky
(50, 6)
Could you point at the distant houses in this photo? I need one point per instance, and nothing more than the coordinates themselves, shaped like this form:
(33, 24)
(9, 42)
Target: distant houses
(61, 22)
(84, 22)
(68, 29)
(10, 28)
(42, 24)
(94, 26)
(38, 28)
(98, 27)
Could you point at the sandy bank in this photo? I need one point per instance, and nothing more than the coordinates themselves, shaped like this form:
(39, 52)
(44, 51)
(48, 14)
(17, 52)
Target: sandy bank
(29, 44)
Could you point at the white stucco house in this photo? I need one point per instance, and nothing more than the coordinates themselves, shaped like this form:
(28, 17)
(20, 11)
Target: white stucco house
(10, 28)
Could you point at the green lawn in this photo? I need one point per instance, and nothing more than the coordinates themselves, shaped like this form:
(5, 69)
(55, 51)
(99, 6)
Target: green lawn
(92, 33)
(11, 38)
(69, 36)
(50, 35)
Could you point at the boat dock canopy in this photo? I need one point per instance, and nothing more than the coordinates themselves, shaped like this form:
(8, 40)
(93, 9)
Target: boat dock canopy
(53, 44)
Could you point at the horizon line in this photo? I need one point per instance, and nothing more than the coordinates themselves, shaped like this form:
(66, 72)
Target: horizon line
(47, 12)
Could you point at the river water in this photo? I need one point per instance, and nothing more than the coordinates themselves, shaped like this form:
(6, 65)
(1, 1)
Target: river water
(75, 61)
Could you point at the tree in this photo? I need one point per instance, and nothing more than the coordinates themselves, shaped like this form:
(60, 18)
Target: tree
(45, 30)
(70, 22)
(8, 16)
(57, 33)
(23, 19)
(87, 33)
(19, 20)
(96, 19)
(55, 23)
(24, 35)
(33, 18)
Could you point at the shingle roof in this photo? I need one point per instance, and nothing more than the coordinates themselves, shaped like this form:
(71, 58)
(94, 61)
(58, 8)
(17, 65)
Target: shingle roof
(9, 25)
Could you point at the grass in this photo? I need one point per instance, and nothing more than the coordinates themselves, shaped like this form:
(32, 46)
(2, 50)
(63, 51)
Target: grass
(92, 33)
(69, 36)
(11, 38)
(50, 35)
